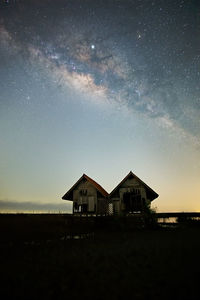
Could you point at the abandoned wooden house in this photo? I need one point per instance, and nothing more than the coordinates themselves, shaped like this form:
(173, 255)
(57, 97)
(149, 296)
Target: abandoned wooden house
(87, 196)
(130, 196)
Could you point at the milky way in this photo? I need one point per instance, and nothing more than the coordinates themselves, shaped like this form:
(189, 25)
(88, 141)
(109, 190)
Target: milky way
(99, 87)
(144, 55)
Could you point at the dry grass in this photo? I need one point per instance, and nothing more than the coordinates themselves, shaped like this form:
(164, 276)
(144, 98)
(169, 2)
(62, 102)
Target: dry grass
(137, 264)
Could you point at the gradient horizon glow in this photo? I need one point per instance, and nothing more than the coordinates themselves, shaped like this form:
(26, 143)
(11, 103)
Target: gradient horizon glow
(102, 88)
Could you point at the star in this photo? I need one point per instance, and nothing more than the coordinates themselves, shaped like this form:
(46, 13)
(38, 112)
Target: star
(92, 46)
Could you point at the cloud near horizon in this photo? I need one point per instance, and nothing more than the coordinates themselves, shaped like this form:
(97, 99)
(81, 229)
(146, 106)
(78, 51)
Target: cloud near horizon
(15, 206)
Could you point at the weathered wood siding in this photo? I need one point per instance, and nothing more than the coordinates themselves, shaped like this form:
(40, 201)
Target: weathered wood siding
(90, 198)
(127, 186)
(102, 206)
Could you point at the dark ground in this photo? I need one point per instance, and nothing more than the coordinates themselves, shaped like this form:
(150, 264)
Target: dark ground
(135, 264)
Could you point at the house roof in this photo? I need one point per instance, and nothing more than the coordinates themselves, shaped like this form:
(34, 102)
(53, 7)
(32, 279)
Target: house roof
(94, 183)
(154, 195)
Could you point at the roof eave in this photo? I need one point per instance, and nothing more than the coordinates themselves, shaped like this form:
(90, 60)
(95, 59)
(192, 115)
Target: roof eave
(65, 198)
(98, 187)
(126, 177)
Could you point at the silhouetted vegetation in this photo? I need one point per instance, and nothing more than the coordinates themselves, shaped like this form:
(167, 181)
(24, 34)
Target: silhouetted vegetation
(150, 217)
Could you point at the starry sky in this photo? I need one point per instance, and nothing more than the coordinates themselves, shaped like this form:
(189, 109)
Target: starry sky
(99, 87)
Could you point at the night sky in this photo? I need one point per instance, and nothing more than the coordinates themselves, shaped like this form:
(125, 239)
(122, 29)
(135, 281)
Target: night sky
(102, 88)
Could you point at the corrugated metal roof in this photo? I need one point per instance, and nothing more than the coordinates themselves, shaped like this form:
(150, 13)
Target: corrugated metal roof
(94, 183)
(98, 186)
(101, 189)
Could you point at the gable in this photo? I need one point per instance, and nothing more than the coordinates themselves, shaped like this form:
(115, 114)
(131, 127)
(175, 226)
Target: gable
(85, 186)
(132, 181)
(84, 190)
(85, 182)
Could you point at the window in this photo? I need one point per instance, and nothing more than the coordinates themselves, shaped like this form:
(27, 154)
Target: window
(83, 192)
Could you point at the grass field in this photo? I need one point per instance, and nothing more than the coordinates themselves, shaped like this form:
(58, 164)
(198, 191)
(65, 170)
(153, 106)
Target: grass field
(111, 264)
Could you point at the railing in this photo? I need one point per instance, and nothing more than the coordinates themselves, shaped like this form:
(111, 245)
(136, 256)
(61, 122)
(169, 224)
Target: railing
(174, 218)
(178, 214)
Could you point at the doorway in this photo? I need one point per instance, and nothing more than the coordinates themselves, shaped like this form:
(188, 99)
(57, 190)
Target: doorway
(132, 202)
